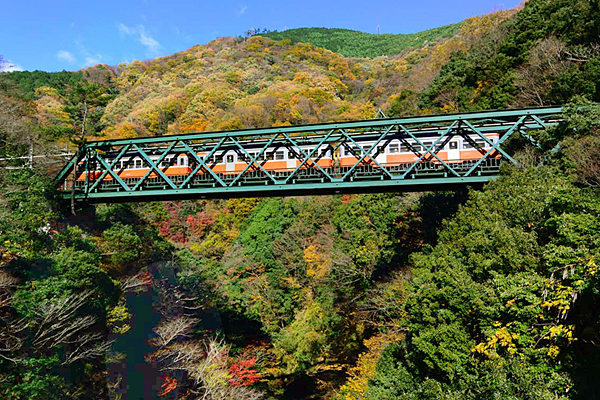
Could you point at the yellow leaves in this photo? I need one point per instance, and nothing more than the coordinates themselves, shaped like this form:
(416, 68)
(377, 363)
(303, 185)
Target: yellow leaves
(553, 351)
(291, 282)
(480, 86)
(501, 338)
(356, 386)
(401, 66)
(562, 331)
(592, 267)
(318, 265)
(116, 316)
(450, 108)
(46, 91)
(255, 43)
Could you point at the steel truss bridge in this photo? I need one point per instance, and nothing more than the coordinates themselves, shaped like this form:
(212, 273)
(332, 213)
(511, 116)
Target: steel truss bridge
(95, 174)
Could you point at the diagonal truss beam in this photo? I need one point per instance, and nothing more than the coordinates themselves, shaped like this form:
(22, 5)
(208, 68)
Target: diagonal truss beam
(432, 148)
(495, 146)
(364, 154)
(109, 169)
(154, 167)
(309, 156)
(428, 150)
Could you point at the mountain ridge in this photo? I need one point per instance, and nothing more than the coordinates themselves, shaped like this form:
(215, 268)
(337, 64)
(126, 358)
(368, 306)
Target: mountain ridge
(354, 43)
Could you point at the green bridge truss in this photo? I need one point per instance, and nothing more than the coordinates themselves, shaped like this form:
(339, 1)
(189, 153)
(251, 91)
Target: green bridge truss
(96, 173)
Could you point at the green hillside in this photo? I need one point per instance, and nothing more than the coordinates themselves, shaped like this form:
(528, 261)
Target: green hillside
(361, 44)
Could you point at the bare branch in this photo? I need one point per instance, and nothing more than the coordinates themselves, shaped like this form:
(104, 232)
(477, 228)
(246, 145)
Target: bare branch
(169, 330)
(84, 352)
(136, 283)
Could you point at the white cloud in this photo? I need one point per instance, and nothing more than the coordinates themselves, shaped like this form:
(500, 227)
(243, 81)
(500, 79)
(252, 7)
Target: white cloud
(149, 42)
(93, 60)
(9, 66)
(66, 56)
(142, 36)
(242, 11)
(89, 58)
(125, 29)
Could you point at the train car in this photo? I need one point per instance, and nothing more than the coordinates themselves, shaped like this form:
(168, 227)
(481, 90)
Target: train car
(407, 151)
(395, 153)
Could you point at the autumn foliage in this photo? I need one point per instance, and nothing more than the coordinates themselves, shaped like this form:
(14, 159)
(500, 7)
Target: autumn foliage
(168, 385)
(242, 373)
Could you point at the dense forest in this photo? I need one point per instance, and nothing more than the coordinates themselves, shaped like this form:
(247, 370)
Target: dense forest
(488, 294)
(351, 43)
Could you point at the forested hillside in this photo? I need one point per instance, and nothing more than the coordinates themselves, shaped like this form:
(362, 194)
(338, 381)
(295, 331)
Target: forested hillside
(351, 43)
(449, 295)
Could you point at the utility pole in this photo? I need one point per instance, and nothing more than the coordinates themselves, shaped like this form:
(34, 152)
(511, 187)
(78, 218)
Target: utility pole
(30, 163)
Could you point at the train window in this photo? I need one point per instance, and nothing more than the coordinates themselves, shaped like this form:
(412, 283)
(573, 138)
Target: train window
(291, 155)
(479, 143)
(380, 150)
(393, 148)
(406, 148)
(324, 152)
(426, 145)
(182, 161)
(138, 163)
(453, 145)
(270, 156)
(229, 158)
(279, 155)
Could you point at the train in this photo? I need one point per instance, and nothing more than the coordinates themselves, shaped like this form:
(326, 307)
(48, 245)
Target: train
(281, 159)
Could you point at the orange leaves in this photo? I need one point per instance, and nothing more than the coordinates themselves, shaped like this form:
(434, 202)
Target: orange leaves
(124, 130)
(196, 125)
(168, 386)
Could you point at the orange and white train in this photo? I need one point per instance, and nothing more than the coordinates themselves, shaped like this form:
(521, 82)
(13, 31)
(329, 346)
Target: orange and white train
(395, 155)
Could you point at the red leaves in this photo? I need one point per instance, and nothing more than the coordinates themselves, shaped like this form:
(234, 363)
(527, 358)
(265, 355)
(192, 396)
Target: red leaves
(183, 228)
(242, 373)
(198, 223)
(346, 198)
(146, 277)
(168, 386)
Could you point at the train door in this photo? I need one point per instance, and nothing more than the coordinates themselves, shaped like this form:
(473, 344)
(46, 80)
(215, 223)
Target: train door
(453, 151)
(230, 162)
(182, 161)
(381, 157)
(291, 160)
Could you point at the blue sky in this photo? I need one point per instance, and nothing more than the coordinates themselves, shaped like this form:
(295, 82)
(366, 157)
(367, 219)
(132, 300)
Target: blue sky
(71, 34)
